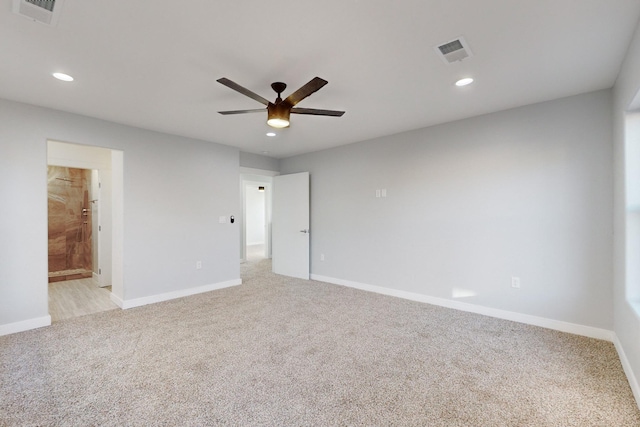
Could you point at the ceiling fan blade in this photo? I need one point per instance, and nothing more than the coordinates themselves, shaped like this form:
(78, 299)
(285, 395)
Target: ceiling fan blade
(315, 84)
(226, 113)
(317, 112)
(235, 86)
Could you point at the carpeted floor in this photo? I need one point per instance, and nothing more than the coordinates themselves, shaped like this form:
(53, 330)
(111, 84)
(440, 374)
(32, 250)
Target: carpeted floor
(277, 351)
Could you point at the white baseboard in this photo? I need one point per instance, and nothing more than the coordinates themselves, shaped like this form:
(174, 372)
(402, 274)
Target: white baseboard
(558, 325)
(633, 381)
(137, 302)
(25, 325)
(116, 300)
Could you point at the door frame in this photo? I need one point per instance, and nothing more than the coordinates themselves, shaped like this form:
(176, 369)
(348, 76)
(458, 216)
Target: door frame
(74, 155)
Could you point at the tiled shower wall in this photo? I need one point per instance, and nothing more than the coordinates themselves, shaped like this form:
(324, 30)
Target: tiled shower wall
(69, 223)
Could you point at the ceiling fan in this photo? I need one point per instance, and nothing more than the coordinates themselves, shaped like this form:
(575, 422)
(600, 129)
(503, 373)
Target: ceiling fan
(278, 112)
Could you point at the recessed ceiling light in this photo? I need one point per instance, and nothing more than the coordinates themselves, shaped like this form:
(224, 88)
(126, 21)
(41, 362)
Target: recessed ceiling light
(271, 134)
(62, 76)
(464, 82)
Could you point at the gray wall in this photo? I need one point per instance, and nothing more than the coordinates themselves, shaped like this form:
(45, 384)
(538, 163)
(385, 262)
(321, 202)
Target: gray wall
(175, 189)
(627, 322)
(256, 161)
(525, 192)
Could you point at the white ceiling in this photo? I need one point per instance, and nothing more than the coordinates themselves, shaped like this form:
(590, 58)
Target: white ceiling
(154, 63)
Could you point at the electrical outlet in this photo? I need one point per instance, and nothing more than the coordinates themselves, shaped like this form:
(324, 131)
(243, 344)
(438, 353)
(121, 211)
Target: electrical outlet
(515, 282)
(198, 265)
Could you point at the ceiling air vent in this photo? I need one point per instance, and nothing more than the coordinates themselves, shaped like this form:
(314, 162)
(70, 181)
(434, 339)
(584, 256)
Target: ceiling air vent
(44, 11)
(454, 50)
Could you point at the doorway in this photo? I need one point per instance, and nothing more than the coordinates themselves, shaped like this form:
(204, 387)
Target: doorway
(256, 227)
(256, 221)
(85, 222)
(255, 190)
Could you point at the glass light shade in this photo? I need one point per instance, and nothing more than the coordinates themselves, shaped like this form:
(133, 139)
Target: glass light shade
(278, 123)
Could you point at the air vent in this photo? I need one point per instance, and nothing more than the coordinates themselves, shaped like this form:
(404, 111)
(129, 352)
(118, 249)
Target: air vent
(45, 4)
(43, 11)
(454, 50)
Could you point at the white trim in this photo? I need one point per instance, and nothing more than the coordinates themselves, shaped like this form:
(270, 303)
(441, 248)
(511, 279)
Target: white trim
(137, 302)
(25, 325)
(558, 325)
(635, 306)
(626, 366)
(116, 300)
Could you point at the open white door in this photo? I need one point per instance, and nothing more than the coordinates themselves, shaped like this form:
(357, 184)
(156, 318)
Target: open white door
(290, 225)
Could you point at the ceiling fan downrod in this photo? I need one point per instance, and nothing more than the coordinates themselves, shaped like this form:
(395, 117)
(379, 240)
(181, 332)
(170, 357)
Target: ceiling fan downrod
(278, 87)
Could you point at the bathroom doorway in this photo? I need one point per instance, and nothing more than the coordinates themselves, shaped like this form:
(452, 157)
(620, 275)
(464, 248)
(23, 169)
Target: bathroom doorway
(84, 197)
(69, 199)
(73, 195)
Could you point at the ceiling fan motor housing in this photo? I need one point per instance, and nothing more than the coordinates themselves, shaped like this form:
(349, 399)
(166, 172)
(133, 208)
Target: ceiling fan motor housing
(278, 114)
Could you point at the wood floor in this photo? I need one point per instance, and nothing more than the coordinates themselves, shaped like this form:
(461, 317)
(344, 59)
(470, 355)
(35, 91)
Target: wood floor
(73, 298)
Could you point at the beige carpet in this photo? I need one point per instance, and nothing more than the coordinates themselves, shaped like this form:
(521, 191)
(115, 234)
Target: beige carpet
(283, 352)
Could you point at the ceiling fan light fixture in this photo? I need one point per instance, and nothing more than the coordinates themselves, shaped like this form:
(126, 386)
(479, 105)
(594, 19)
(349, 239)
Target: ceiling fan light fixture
(278, 123)
(278, 116)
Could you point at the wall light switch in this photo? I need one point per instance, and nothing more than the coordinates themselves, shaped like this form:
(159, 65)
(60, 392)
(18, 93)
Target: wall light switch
(384, 192)
(377, 193)
(515, 282)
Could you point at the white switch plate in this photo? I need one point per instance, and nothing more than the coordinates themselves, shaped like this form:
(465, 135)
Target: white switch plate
(377, 193)
(515, 282)
(321, 257)
(384, 192)
(222, 220)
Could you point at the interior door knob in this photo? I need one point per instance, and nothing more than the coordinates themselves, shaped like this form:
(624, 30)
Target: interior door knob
(306, 230)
